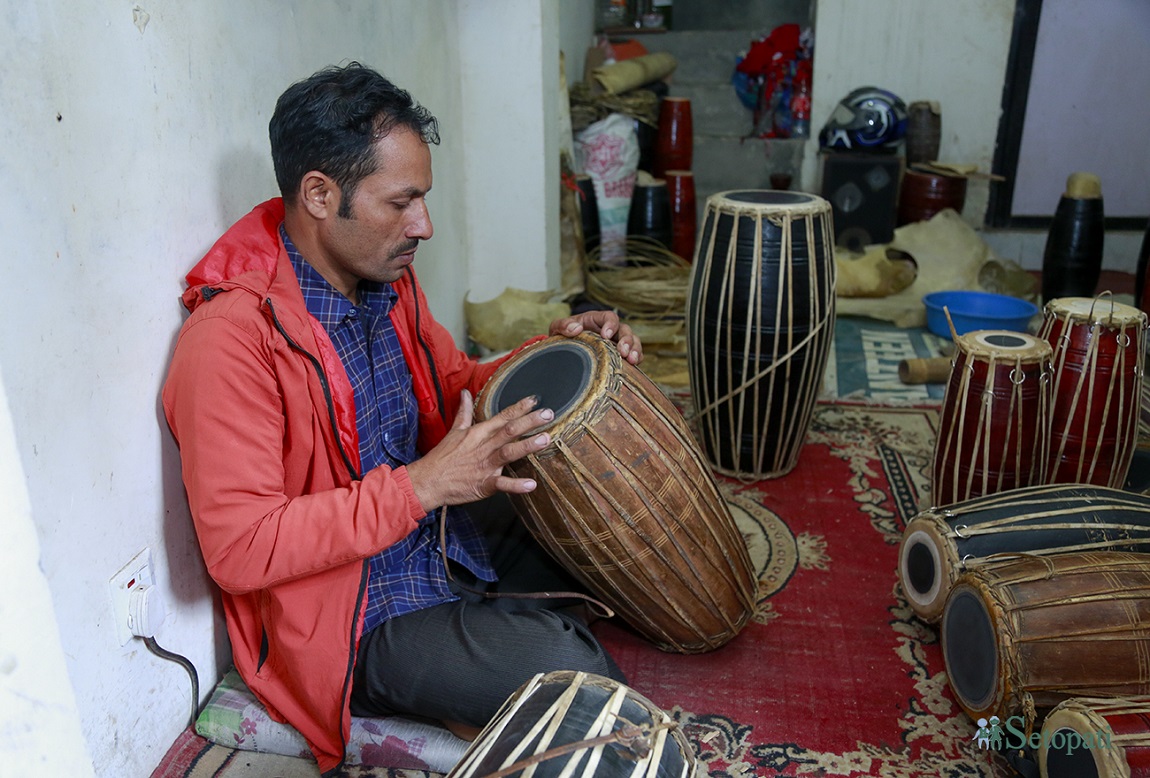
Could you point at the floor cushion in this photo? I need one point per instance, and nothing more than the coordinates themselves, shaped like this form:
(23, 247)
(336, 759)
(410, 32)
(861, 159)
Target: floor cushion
(234, 718)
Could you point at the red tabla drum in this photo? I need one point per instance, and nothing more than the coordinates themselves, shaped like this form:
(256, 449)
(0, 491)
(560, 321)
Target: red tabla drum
(1096, 391)
(993, 423)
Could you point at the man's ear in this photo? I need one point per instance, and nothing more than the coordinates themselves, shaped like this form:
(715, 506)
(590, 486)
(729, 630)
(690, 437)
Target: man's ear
(319, 194)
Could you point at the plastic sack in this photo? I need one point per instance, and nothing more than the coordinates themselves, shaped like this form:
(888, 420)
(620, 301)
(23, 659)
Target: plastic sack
(608, 151)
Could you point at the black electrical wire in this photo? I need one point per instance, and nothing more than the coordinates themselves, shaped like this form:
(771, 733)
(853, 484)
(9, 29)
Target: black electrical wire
(159, 651)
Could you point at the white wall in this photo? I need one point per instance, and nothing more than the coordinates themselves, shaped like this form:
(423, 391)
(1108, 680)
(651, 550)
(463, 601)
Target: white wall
(128, 148)
(953, 51)
(511, 73)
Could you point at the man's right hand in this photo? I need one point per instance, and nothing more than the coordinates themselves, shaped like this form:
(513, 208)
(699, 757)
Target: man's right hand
(467, 465)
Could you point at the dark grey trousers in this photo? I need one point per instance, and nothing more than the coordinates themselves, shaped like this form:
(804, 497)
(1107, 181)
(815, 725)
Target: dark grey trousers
(461, 660)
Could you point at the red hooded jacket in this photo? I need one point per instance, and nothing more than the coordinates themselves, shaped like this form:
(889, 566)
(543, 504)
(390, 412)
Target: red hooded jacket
(264, 416)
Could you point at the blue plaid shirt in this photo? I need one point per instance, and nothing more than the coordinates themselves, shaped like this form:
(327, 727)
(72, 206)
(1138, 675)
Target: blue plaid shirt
(409, 575)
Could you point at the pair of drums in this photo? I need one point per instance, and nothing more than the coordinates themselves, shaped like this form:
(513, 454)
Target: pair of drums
(1062, 407)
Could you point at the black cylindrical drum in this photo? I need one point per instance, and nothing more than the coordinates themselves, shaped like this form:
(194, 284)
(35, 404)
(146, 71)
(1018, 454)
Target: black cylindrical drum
(589, 211)
(760, 321)
(650, 214)
(1072, 260)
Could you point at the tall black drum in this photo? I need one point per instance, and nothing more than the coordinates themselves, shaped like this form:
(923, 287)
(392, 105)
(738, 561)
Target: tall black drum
(760, 322)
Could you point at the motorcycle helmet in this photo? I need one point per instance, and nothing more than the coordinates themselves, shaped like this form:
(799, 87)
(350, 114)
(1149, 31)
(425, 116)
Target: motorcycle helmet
(868, 119)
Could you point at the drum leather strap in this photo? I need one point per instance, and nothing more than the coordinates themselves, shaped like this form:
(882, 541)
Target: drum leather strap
(600, 609)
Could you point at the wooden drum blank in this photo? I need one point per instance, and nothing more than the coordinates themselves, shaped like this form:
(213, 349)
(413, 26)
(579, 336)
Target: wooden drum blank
(625, 501)
(760, 322)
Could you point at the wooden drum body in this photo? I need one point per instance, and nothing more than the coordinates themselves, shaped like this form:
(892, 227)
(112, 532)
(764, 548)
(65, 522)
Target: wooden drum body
(1097, 389)
(1025, 634)
(578, 725)
(625, 501)
(992, 426)
(940, 544)
(1096, 737)
(760, 322)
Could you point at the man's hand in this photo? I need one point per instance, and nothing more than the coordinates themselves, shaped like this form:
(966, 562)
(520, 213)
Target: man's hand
(467, 465)
(607, 324)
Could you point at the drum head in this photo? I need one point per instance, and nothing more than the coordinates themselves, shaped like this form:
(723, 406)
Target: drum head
(921, 568)
(1004, 344)
(970, 648)
(1070, 762)
(559, 373)
(1090, 309)
(768, 200)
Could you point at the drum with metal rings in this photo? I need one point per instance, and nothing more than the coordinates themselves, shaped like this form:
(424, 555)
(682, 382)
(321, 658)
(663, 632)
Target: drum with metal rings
(993, 421)
(1096, 397)
(939, 544)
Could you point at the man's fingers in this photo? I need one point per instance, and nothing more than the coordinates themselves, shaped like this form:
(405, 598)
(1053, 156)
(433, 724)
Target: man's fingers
(464, 416)
(517, 428)
(510, 485)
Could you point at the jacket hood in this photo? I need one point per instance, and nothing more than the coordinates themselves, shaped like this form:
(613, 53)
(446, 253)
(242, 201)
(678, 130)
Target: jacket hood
(244, 257)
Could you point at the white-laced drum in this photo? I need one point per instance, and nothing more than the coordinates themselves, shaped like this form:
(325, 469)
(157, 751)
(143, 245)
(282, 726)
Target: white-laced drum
(760, 322)
(577, 725)
(993, 423)
(939, 544)
(1096, 737)
(1099, 348)
(1025, 634)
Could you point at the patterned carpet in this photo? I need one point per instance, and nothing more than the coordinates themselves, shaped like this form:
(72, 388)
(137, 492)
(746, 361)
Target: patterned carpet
(835, 676)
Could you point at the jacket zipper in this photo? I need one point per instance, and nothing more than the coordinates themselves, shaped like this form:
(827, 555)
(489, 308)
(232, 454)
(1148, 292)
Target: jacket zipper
(427, 351)
(355, 476)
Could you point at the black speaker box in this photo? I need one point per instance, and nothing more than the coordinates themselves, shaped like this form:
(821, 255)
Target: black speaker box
(862, 189)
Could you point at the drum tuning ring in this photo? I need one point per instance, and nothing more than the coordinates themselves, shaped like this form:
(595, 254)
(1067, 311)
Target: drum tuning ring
(1123, 340)
(958, 531)
(1017, 376)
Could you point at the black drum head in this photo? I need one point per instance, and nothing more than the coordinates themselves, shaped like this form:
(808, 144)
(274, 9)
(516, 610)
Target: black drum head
(970, 647)
(920, 568)
(558, 374)
(1078, 763)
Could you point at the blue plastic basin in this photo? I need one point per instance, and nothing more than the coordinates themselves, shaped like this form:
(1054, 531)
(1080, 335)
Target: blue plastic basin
(970, 311)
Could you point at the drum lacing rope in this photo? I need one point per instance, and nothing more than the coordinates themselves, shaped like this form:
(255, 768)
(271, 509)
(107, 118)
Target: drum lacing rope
(635, 740)
(781, 361)
(601, 609)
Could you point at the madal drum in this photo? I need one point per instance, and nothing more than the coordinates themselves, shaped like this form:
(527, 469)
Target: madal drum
(625, 501)
(760, 323)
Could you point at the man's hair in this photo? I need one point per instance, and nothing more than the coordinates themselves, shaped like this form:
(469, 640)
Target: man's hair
(330, 122)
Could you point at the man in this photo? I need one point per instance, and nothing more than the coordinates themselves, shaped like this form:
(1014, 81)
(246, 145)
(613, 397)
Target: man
(324, 420)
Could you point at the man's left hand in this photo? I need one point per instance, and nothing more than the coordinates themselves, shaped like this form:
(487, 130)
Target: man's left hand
(605, 323)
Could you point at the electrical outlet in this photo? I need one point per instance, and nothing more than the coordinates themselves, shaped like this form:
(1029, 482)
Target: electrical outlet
(132, 576)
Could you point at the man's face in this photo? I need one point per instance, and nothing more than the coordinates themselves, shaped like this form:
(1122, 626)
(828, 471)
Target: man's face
(388, 218)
